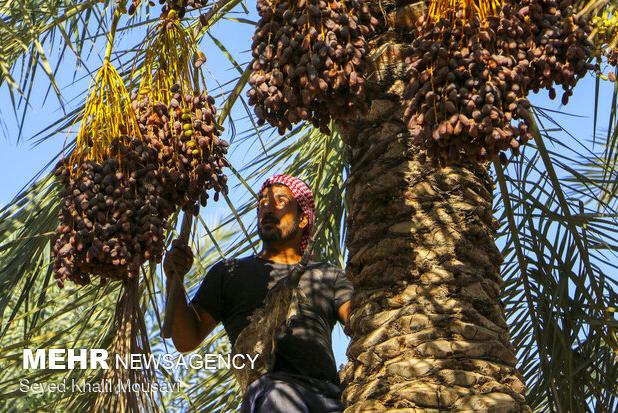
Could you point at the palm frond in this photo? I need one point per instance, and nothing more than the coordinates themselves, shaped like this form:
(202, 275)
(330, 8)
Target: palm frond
(559, 274)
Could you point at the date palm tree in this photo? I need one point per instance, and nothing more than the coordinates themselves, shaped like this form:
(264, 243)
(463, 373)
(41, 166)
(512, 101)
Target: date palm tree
(477, 287)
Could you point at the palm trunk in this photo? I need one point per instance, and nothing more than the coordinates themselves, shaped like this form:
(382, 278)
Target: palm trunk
(428, 328)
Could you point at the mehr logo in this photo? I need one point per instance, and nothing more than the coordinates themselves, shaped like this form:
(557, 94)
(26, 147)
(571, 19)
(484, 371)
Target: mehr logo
(60, 358)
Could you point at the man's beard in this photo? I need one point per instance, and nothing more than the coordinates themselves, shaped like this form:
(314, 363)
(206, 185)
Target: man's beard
(276, 235)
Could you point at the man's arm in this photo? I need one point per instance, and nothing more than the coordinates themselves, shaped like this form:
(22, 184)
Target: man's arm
(343, 296)
(344, 314)
(191, 323)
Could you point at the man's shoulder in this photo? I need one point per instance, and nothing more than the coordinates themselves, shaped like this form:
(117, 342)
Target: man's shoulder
(325, 267)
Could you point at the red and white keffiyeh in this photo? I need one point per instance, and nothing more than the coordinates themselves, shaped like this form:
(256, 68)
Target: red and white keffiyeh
(303, 195)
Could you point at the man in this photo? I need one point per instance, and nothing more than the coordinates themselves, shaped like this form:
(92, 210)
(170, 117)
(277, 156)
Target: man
(304, 377)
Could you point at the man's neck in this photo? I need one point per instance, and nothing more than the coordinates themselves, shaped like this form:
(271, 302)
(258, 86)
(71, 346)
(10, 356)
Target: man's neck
(281, 254)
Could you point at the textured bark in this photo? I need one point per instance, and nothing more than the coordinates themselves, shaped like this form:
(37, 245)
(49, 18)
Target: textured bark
(428, 329)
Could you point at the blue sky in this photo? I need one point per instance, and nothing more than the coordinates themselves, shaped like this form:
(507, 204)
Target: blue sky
(19, 162)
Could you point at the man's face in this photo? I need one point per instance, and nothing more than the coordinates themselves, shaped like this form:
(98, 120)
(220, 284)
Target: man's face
(279, 215)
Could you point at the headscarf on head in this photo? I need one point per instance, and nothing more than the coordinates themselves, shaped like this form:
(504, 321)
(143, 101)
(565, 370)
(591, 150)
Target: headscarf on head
(303, 195)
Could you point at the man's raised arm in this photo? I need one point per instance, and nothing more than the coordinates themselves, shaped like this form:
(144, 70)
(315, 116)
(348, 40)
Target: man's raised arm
(191, 323)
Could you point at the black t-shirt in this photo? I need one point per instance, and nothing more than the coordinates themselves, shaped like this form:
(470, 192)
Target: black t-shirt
(305, 347)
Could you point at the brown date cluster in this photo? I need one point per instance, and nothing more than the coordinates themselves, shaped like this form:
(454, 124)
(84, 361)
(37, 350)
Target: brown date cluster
(469, 81)
(112, 215)
(180, 6)
(190, 152)
(309, 61)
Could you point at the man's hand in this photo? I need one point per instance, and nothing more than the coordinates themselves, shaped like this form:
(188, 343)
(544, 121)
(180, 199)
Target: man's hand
(178, 259)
